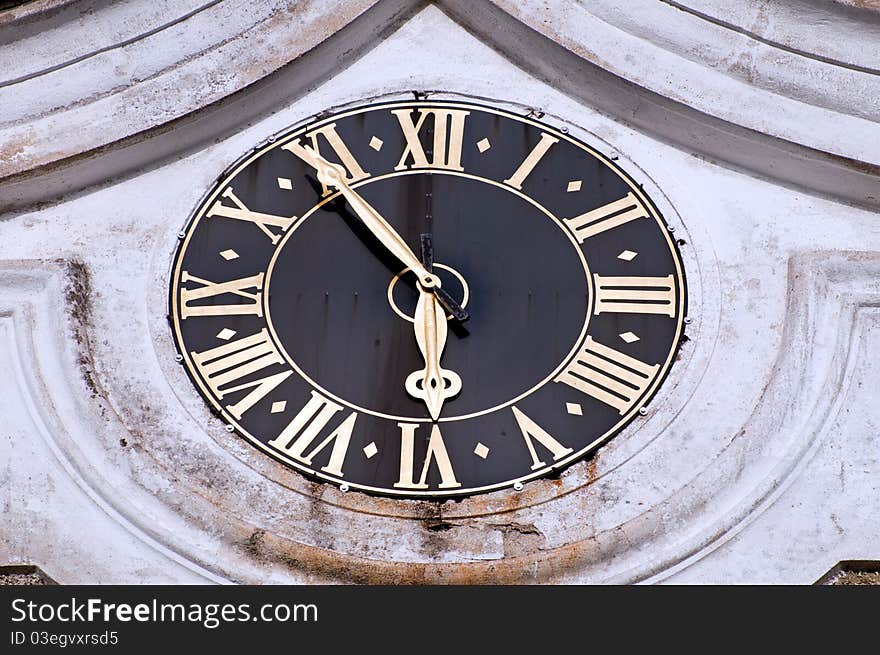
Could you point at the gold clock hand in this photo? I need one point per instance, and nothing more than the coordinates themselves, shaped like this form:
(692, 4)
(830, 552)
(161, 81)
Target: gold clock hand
(334, 175)
(433, 384)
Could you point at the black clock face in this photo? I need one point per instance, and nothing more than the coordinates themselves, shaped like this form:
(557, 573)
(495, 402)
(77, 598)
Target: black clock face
(314, 292)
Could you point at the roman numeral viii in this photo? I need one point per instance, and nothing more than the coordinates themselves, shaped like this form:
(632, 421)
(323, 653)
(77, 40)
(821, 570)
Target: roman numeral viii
(307, 426)
(627, 209)
(448, 126)
(208, 289)
(608, 375)
(225, 366)
(635, 295)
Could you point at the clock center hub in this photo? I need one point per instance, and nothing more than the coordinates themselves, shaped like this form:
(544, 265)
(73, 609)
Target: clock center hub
(451, 280)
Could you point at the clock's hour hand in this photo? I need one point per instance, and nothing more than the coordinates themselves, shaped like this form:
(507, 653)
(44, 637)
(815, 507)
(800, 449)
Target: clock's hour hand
(433, 384)
(450, 305)
(448, 302)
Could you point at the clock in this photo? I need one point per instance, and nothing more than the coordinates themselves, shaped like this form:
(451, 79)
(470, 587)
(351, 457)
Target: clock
(427, 299)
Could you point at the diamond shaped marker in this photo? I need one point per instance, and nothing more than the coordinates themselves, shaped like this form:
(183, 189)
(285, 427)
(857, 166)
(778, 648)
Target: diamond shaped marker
(627, 255)
(226, 334)
(574, 409)
(370, 449)
(284, 183)
(574, 185)
(229, 254)
(278, 406)
(629, 337)
(376, 143)
(481, 451)
(483, 145)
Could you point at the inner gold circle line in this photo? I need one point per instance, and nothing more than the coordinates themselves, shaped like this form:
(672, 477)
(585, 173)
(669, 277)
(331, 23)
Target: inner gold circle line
(287, 235)
(397, 310)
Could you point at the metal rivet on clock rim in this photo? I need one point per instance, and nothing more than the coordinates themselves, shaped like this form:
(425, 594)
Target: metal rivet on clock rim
(230, 427)
(343, 487)
(517, 486)
(687, 320)
(178, 357)
(671, 228)
(643, 410)
(563, 129)
(181, 235)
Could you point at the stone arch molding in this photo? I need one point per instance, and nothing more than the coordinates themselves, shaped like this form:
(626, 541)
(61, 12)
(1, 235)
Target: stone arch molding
(739, 83)
(92, 361)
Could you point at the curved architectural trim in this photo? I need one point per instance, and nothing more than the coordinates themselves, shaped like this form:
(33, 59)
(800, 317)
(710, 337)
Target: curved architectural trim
(820, 356)
(731, 126)
(37, 283)
(822, 283)
(144, 122)
(701, 110)
(35, 9)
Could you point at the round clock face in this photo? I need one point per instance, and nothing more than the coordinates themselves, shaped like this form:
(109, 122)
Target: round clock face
(427, 299)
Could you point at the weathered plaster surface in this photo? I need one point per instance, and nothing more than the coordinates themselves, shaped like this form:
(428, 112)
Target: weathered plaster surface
(754, 463)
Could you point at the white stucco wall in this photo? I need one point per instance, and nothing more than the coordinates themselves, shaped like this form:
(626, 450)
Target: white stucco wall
(758, 461)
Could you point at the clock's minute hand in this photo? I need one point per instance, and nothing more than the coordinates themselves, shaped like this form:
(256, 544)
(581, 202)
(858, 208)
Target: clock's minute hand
(333, 175)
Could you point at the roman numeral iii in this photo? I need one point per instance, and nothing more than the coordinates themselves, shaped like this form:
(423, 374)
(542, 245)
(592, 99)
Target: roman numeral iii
(635, 295)
(232, 362)
(307, 426)
(628, 208)
(608, 375)
(448, 125)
